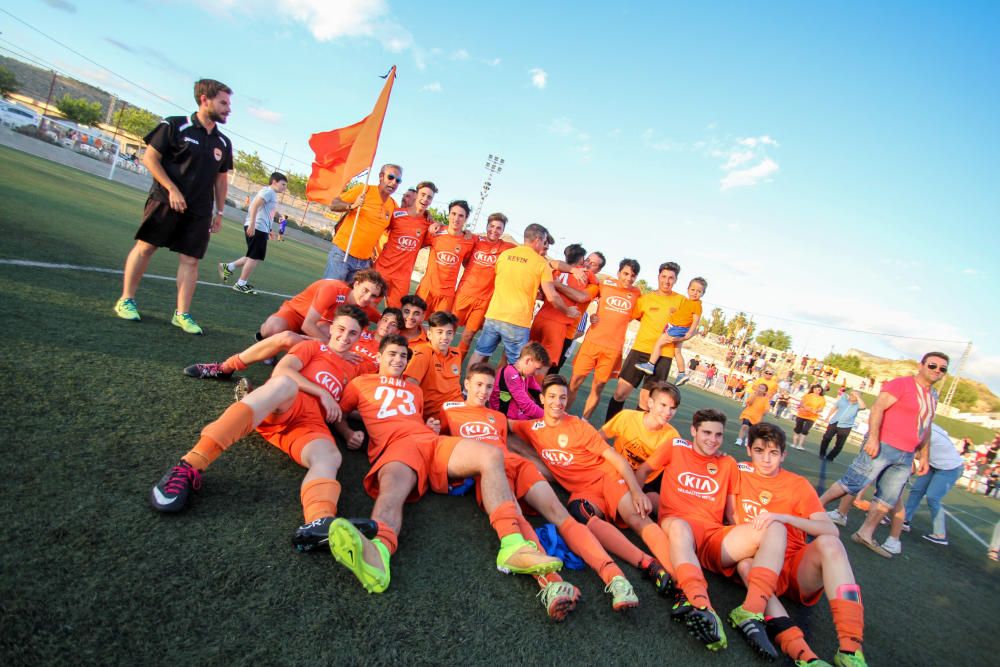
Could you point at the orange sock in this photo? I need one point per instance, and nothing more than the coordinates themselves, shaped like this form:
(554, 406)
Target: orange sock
(615, 542)
(319, 498)
(504, 519)
(233, 364)
(586, 545)
(235, 423)
(793, 644)
(761, 583)
(387, 536)
(849, 618)
(657, 541)
(691, 580)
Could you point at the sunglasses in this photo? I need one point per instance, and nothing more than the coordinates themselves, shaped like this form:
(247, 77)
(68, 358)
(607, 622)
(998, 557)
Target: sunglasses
(936, 367)
(394, 177)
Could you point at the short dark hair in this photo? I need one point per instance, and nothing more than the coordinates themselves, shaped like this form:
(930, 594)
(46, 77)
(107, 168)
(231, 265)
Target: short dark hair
(669, 266)
(394, 339)
(442, 318)
(708, 415)
(536, 351)
(413, 300)
(395, 312)
(424, 184)
(480, 368)
(553, 380)
(768, 433)
(353, 312)
(462, 204)
(811, 387)
(667, 388)
(604, 260)
(497, 216)
(573, 253)
(210, 88)
(939, 355)
(701, 281)
(277, 176)
(371, 276)
(414, 190)
(535, 231)
(631, 263)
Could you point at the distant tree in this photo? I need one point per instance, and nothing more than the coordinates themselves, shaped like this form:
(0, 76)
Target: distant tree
(251, 166)
(134, 120)
(848, 363)
(438, 216)
(643, 286)
(775, 338)
(717, 322)
(297, 184)
(79, 110)
(8, 82)
(736, 326)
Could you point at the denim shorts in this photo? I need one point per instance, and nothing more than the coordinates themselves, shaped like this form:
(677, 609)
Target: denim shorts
(338, 269)
(891, 468)
(494, 331)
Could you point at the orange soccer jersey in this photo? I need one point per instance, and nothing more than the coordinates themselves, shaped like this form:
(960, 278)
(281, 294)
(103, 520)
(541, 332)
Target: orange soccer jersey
(785, 493)
(439, 376)
(407, 235)
(480, 268)
(551, 324)
(325, 296)
(448, 252)
(634, 441)
(810, 406)
(756, 408)
(614, 311)
(367, 347)
(694, 487)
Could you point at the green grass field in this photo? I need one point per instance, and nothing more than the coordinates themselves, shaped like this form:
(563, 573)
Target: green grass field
(96, 408)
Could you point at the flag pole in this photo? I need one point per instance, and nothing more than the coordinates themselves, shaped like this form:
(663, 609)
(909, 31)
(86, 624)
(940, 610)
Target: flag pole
(368, 175)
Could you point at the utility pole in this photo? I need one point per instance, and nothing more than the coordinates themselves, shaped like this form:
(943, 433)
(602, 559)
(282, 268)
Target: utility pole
(48, 100)
(111, 110)
(957, 375)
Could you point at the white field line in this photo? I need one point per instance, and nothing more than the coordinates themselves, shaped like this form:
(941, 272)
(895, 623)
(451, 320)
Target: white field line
(967, 529)
(98, 269)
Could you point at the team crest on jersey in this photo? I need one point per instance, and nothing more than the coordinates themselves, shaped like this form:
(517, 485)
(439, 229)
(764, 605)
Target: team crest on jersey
(698, 485)
(712, 469)
(330, 382)
(447, 258)
(619, 304)
(478, 431)
(557, 457)
(407, 243)
(341, 298)
(218, 154)
(454, 369)
(490, 419)
(489, 258)
(765, 497)
(563, 440)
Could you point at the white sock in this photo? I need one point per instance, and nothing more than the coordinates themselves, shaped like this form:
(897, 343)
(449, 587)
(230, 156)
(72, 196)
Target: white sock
(231, 266)
(241, 282)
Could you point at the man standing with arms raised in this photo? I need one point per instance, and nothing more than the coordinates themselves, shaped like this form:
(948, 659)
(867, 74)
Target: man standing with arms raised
(520, 272)
(369, 209)
(653, 311)
(188, 158)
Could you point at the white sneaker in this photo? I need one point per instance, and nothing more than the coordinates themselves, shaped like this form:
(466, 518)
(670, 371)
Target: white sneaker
(837, 517)
(893, 546)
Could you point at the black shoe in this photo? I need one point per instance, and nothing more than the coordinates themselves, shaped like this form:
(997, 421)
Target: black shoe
(316, 534)
(207, 372)
(171, 493)
(706, 626)
(681, 606)
(754, 630)
(661, 579)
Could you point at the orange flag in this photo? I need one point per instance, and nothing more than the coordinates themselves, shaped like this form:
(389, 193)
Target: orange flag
(343, 154)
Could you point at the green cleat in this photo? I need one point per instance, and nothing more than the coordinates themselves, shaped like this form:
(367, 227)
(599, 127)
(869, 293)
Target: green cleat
(815, 662)
(559, 598)
(519, 556)
(845, 659)
(752, 627)
(705, 626)
(187, 323)
(224, 272)
(622, 595)
(347, 548)
(125, 309)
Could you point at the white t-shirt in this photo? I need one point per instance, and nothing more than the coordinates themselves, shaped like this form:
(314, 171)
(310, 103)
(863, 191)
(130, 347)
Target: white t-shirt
(944, 455)
(265, 213)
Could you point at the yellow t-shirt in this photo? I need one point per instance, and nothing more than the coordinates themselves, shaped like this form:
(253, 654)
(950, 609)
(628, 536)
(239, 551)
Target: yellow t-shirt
(519, 273)
(685, 313)
(373, 220)
(634, 441)
(653, 310)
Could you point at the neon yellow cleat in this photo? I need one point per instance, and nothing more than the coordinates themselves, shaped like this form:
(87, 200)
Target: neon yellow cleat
(622, 594)
(187, 323)
(519, 556)
(125, 309)
(347, 547)
(856, 659)
(559, 598)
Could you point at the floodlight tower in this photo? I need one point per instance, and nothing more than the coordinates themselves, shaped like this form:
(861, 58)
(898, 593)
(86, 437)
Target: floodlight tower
(957, 376)
(494, 165)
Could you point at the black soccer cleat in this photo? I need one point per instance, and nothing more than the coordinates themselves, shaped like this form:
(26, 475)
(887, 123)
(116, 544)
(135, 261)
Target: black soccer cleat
(706, 626)
(316, 534)
(754, 630)
(661, 579)
(171, 493)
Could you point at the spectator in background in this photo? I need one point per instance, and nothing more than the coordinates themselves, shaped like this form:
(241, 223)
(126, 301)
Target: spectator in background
(258, 229)
(841, 421)
(945, 468)
(282, 224)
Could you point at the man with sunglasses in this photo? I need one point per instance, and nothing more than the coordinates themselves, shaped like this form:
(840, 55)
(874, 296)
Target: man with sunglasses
(368, 210)
(899, 432)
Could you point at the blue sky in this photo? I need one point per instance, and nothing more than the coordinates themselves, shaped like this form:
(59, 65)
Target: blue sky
(827, 164)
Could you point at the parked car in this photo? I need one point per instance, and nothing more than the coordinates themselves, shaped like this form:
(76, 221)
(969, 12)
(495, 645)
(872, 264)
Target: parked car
(15, 116)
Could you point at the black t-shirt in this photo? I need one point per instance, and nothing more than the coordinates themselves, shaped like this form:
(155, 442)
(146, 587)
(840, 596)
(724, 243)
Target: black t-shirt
(192, 158)
(693, 364)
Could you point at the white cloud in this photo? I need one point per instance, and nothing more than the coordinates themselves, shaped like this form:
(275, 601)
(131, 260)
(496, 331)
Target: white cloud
(460, 54)
(433, 87)
(970, 271)
(264, 114)
(742, 178)
(764, 140)
(738, 158)
(650, 140)
(562, 126)
(493, 62)
(539, 77)
(615, 133)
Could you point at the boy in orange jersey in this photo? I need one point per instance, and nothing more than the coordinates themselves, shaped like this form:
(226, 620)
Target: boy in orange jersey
(577, 287)
(449, 251)
(770, 494)
(304, 316)
(681, 326)
(291, 411)
(366, 349)
(756, 407)
(476, 287)
(602, 346)
(810, 407)
(410, 229)
(408, 457)
(601, 483)
(697, 494)
(472, 419)
(414, 308)
(636, 434)
(435, 366)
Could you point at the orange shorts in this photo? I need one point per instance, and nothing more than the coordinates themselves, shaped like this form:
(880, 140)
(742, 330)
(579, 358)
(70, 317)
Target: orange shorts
(522, 474)
(708, 539)
(436, 302)
(597, 358)
(788, 580)
(426, 455)
(293, 318)
(605, 494)
(471, 312)
(297, 427)
(551, 334)
(396, 289)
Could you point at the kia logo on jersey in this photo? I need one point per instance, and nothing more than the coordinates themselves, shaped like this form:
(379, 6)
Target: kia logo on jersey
(478, 431)
(447, 258)
(329, 381)
(619, 303)
(557, 457)
(407, 243)
(485, 257)
(750, 508)
(698, 483)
